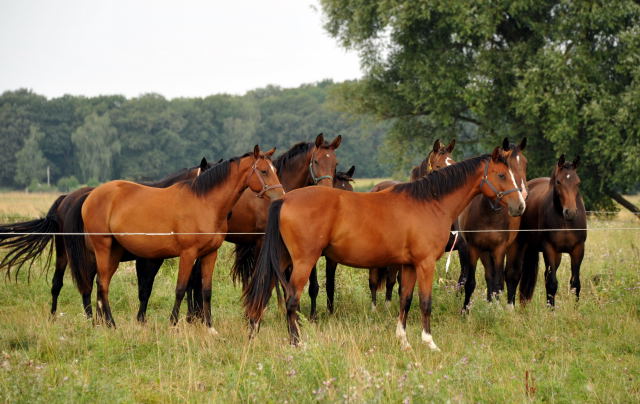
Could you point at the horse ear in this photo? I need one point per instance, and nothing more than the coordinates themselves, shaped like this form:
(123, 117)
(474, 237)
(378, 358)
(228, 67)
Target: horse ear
(203, 164)
(256, 151)
(523, 143)
(336, 142)
(496, 154)
(269, 153)
(576, 162)
(319, 140)
(351, 171)
(561, 161)
(451, 146)
(436, 146)
(505, 144)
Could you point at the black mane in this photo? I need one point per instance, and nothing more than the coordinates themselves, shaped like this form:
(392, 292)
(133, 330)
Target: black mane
(212, 177)
(170, 179)
(292, 154)
(441, 182)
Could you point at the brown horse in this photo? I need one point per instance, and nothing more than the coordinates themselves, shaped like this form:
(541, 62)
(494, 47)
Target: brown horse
(491, 246)
(554, 203)
(25, 248)
(305, 164)
(193, 214)
(342, 180)
(439, 157)
(408, 225)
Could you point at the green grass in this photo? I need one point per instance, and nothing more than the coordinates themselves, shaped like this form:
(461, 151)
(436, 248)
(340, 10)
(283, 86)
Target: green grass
(584, 352)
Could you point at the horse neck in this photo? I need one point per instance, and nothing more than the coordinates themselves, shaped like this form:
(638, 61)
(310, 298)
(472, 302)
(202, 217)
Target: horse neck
(296, 175)
(227, 194)
(453, 203)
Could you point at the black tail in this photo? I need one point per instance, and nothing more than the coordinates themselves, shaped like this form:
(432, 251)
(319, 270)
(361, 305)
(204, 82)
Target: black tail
(27, 247)
(244, 263)
(81, 263)
(257, 294)
(529, 273)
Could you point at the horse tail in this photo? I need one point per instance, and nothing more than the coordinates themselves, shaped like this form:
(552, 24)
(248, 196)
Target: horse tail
(258, 292)
(79, 258)
(529, 273)
(244, 262)
(27, 240)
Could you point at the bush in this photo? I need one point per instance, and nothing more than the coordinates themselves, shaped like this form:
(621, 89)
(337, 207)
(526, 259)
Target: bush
(68, 184)
(35, 186)
(93, 182)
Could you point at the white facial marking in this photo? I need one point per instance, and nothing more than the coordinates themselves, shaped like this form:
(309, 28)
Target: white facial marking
(568, 176)
(518, 160)
(327, 155)
(448, 161)
(272, 167)
(513, 180)
(428, 339)
(523, 187)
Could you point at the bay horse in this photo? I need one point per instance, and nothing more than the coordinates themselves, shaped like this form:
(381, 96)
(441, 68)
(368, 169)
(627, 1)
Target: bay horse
(408, 225)
(554, 203)
(27, 247)
(193, 214)
(342, 181)
(490, 245)
(304, 164)
(439, 157)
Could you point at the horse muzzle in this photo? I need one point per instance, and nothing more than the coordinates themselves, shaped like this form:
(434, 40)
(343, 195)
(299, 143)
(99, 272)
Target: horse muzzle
(569, 214)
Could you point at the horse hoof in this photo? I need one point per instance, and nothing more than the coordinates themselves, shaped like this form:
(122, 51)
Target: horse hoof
(405, 346)
(511, 307)
(373, 307)
(212, 331)
(428, 339)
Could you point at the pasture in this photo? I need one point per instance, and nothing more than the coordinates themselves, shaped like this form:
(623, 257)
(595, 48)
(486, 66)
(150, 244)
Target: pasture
(579, 352)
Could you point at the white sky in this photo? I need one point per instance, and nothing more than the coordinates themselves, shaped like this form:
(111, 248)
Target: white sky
(176, 48)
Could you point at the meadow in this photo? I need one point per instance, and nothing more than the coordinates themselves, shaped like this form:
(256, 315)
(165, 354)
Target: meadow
(584, 351)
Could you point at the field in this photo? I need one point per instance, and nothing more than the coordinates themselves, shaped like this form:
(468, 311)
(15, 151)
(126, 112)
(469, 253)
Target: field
(579, 352)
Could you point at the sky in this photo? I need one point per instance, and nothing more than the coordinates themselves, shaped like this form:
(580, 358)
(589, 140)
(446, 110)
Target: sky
(182, 48)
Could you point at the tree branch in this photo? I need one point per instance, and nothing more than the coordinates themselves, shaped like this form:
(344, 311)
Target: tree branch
(624, 202)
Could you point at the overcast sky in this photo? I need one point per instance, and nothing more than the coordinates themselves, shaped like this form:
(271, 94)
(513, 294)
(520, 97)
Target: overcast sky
(175, 48)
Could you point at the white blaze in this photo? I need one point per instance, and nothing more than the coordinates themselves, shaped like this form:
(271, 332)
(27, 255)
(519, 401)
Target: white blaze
(448, 161)
(513, 180)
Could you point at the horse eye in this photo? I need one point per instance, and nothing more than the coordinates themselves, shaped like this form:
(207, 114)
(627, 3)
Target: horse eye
(557, 182)
(502, 176)
(264, 172)
(315, 162)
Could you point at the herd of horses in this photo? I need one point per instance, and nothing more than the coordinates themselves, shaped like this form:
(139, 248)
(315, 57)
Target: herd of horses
(283, 214)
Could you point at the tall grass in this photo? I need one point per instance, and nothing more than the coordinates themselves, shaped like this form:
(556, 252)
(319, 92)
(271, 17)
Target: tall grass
(579, 352)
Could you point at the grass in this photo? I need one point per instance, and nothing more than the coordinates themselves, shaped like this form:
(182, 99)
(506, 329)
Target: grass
(579, 352)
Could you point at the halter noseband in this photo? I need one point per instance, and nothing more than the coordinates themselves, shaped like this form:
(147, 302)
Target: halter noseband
(265, 187)
(315, 179)
(499, 194)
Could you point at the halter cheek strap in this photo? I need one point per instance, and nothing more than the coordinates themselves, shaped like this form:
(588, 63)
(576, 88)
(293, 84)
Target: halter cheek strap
(315, 179)
(499, 194)
(265, 187)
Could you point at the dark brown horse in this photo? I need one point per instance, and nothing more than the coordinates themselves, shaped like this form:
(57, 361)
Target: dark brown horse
(408, 225)
(439, 157)
(305, 164)
(554, 203)
(484, 215)
(191, 214)
(25, 248)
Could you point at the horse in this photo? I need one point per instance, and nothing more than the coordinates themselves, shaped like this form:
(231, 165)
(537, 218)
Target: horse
(408, 225)
(191, 214)
(554, 203)
(439, 157)
(342, 180)
(490, 244)
(26, 247)
(304, 164)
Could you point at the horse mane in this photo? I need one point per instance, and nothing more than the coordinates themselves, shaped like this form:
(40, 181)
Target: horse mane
(423, 168)
(212, 177)
(170, 179)
(294, 153)
(441, 182)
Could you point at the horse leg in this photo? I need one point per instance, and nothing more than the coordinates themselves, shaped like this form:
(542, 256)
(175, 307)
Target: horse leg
(391, 275)
(374, 280)
(146, 271)
(551, 263)
(465, 262)
(330, 282)
(108, 254)
(424, 272)
(489, 273)
(299, 277)
(513, 269)
(497, 258)
(208, 265)
(58, 275)
(314, 289)
(470, 283)
(187, 259)
(408, 281)
(194, 293)
(576, 260)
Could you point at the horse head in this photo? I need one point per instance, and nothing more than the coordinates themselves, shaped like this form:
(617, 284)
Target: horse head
(499, 182)
(565, 182)
(263, 179)
(323, 161)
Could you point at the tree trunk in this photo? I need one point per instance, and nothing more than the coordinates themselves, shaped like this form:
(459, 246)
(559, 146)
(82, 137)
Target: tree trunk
(625, 203)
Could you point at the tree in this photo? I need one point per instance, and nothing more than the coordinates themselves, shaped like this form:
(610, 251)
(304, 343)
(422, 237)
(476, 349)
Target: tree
(564, 73)
(97, 145)
(31, 165)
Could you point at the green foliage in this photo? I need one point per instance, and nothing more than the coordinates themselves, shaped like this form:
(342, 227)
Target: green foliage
(97, 145)
(68, 184)
(562, 73)
(31, 165)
